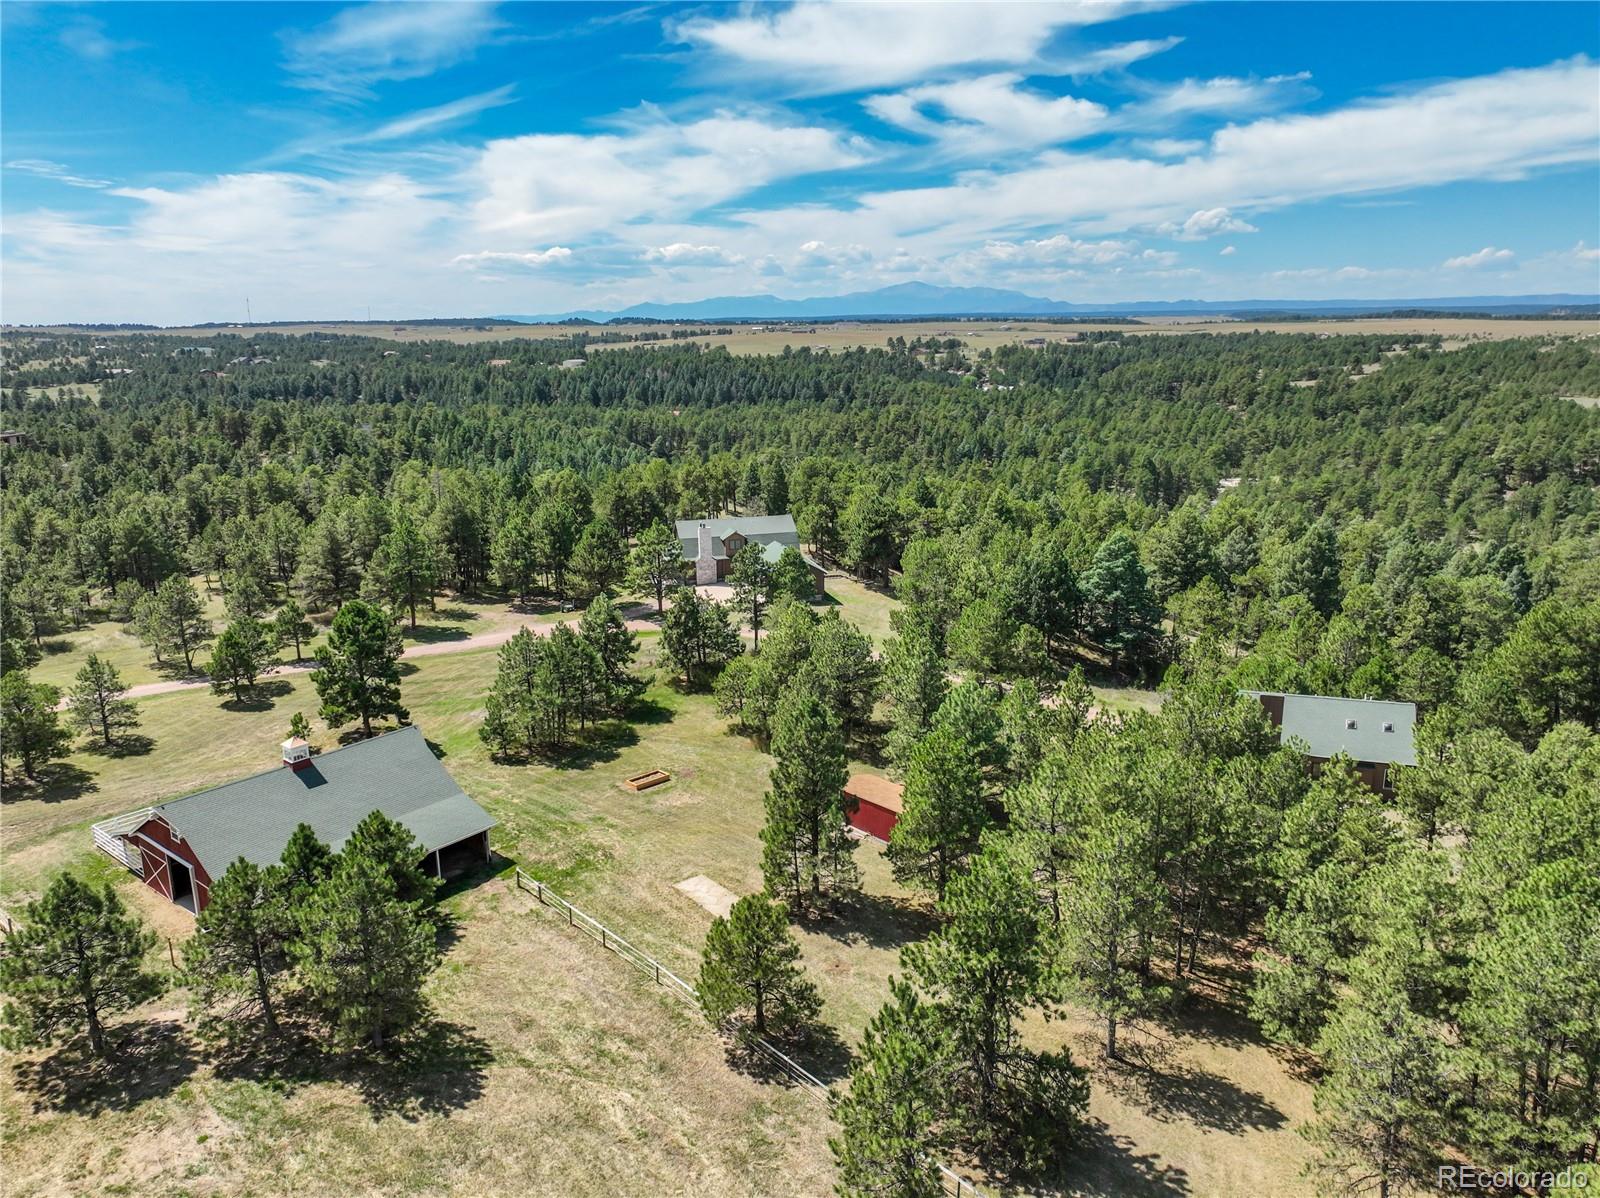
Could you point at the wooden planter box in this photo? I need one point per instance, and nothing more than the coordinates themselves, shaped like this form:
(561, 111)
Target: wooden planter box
(648, 779)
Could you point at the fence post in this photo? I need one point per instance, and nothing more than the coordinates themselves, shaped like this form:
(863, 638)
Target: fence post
(603, 943)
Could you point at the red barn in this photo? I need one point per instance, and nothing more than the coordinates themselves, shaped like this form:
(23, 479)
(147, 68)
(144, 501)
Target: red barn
(181, 846)
(872, 805)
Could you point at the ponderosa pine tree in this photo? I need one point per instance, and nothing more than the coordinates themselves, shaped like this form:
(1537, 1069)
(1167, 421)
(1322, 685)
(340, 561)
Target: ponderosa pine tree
(246, 650)
(599, 560)
(656, 564)
(750, 970)
(393, 846)
(791, 577)
(807, 859)
(889, 1117)
(30, 727)
(915, 686)
(944, 813)
(603, 629)
(698, 636)
(180, 621)
(291, 627)
(1123, 616)
(405, 569)
(358, 668)
(238, 956)
(76, 957)
(752, 577)
(363, 953)
(99, 702)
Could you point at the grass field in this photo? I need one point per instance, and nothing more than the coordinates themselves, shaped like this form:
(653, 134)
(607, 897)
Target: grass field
(558, 1068)
(978, 334)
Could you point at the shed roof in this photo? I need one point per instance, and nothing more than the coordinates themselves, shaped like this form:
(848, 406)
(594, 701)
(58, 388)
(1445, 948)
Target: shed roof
(395, 773)
(1364, 729)
(881, 792)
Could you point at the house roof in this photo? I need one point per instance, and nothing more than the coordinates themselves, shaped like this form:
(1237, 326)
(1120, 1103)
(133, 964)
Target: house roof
(395, 773)
(869, 788)
(1364, 729)
(768, 530)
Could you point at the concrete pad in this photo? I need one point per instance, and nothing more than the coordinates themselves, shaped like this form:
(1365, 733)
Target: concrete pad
(713, 896)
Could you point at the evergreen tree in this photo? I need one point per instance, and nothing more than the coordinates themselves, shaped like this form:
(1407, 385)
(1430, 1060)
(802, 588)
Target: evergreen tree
(807, 856)
(238, 955)
(405, 569)
(1044, 591)
(752, 577)
(520, 712)
(1309, 567)
(750, 970)
(76, 958)
(30, 728)
(306, 862)
(656, 564)
(328, 575)
(363, 953)
(290, 626)
(247, 582)
(604, 630)
(889, 1118)
(915, 686)
(791, 577)
(599, 560)
(245, 650)
(1180, 554)
(39, 598)
(1123, 616)
(393, 846)
(943, 816)
(180, 620)
(299, 727)
(358, 668)
(698, 637)
(98, 701)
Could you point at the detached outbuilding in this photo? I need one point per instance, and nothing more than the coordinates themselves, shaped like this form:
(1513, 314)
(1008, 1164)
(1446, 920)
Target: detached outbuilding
(872, 805)
(180, 847)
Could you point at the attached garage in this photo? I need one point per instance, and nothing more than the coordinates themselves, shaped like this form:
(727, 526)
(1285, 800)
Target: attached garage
(185, 844)
(872, 805)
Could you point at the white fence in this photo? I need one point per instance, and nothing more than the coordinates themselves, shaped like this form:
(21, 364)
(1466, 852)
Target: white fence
(954, 1184)
(108, 838)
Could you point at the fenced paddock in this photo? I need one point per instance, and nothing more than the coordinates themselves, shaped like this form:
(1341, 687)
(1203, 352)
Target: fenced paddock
(954, 1184)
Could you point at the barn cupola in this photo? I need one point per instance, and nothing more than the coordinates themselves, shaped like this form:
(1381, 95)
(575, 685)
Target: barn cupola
(296, 753)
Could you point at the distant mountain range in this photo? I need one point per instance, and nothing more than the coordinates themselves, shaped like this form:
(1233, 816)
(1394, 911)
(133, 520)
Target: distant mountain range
(924, 299)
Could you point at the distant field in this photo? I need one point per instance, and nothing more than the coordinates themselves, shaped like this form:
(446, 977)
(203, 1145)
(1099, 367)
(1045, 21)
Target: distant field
(978, 334)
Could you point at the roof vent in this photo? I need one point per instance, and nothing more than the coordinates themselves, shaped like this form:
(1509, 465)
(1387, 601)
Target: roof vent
(1350, 725)
(296, 753)
(1388, 726)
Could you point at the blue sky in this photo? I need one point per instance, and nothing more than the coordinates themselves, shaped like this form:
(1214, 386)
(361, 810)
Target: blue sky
(162, 162)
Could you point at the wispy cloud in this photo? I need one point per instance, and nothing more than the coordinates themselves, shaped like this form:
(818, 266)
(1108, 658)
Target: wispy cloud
(387, 41)
(555, 255)
(1487, 256)
(46, 169)
(87, 38)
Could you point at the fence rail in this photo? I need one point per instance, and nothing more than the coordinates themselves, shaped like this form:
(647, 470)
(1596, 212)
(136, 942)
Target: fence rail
(108, 838)
(951, 1181)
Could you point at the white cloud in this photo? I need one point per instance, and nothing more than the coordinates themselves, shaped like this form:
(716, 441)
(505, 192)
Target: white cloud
(554, 255)
(822, 48)
(1487, 256)
(567, 185)
(1170, 147)
(1112, 58)
(45, 169)
(988, 113)
(87, 38)
(1583, 252)
(1223, 95)
(1060, 249)
(819, 253)
(1208, 222)
(682, 253)
(1228, 251)
(372, 43)
(430, 120)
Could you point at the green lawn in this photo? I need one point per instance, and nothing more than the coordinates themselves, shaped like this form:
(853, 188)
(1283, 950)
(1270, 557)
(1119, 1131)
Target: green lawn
(563, 1069)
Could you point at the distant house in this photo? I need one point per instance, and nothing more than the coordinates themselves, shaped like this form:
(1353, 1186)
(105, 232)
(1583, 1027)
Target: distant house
(572, 363)
(1375, 733)
(12, 437)
(180, 848)
(712, 544)
(873, 805)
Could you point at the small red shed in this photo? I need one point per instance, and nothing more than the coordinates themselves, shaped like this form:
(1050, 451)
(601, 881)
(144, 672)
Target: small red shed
(872, 805)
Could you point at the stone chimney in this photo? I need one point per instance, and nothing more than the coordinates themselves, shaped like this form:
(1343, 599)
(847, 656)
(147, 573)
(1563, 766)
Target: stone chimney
(296, 754)
(705, 565)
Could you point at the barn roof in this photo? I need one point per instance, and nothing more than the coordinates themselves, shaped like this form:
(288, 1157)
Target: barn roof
(395, 773)
(1364, 729)
(869, 788)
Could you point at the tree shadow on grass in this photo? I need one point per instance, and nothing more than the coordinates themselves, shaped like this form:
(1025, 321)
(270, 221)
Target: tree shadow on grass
(649, 712)
(602, 743)
(57, 782)
(879, 920)
(823, 1053)
(128, 744)
(149, 1060)
(435, 1069)
(54, 646)
(263, 696)
(1108, 1165)
(433, 634)
(1176, 1091)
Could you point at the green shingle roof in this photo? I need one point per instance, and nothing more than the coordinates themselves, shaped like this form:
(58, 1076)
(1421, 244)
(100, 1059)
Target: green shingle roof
(395, 773)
